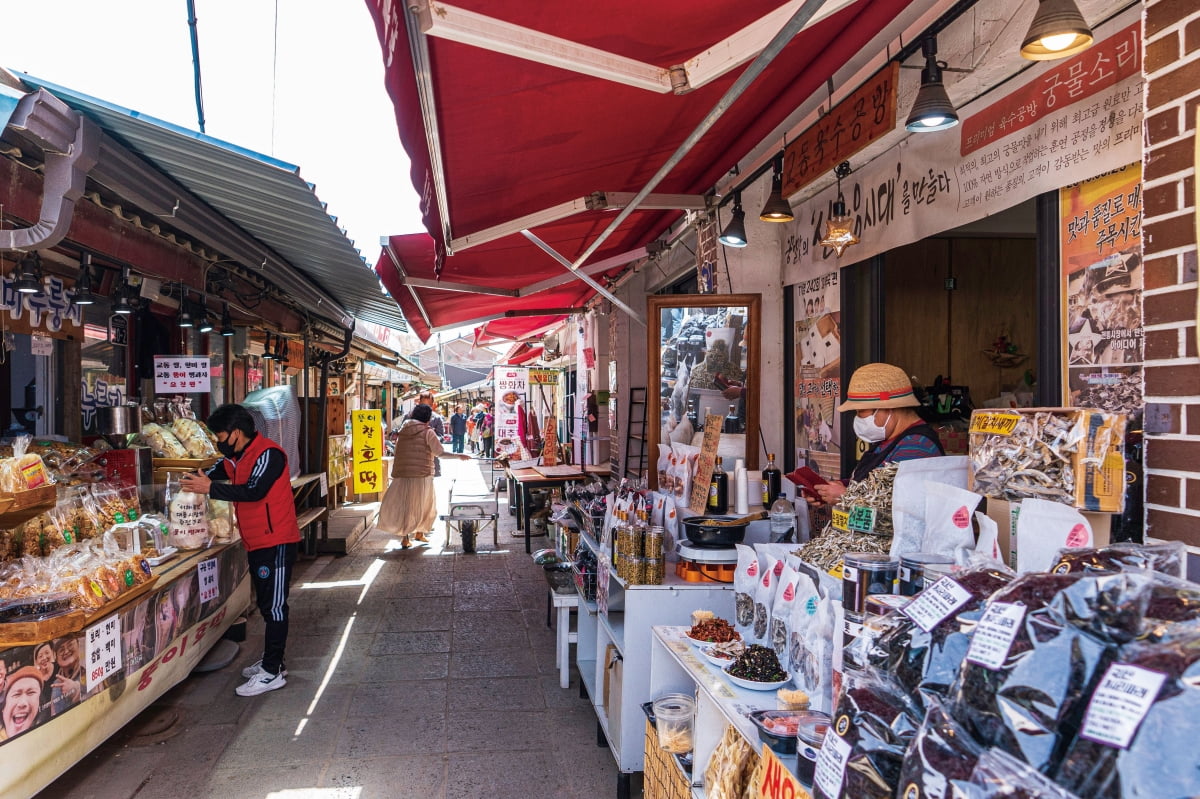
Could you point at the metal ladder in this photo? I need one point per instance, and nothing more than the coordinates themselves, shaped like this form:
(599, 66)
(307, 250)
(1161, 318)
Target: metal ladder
(635, 435)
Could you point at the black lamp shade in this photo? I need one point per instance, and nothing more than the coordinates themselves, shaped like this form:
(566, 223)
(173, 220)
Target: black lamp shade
(734, 234)
(1058, 30)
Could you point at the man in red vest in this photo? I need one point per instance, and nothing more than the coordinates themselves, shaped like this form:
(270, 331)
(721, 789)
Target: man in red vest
(261, 490)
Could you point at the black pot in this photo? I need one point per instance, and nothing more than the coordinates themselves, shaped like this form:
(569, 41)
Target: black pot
(701, 531)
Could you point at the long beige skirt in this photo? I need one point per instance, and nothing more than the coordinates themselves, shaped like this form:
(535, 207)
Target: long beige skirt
(408, 507)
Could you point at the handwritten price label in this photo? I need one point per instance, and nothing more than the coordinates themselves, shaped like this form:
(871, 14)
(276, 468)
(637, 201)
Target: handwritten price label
(210, 587)
(102, 650)
(861, 519)
(777, 781)
(998, 424)
(841, 520)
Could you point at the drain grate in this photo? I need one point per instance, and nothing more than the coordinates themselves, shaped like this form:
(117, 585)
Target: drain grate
(154, 725)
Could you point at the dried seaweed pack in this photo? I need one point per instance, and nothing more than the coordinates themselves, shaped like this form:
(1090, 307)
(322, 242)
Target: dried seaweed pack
(1159, 759)
(927, 662)
(940, 758)
(1166, 557)
(1030, 702)
(873, 724)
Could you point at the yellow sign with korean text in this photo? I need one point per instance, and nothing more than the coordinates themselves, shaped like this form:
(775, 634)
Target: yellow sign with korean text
(366, 447)
(777, 781)
(992, 423)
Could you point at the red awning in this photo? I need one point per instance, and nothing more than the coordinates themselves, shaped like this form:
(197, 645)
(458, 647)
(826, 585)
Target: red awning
(521, 353)
(515, 137)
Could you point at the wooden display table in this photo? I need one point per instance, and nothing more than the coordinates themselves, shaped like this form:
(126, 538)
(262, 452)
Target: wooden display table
(522, 481)
(131, 653)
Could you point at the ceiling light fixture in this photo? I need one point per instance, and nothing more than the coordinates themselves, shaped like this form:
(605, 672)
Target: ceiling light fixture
(1058, 30)
(185, 318)
(267, 353)
(82, 294)
(29, 274)
(226, 322)
(122, 305)
(734, 234)
(776, 209)
(839, 228)
(932, 110)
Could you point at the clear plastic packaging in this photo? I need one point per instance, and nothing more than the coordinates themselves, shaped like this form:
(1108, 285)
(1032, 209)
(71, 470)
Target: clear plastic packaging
(187, 515)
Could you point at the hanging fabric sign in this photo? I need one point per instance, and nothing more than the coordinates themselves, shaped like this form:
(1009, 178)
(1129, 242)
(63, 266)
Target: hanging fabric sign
(512, 388)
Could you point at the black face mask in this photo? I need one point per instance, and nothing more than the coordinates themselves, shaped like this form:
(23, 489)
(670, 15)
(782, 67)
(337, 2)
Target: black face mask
(226, 449)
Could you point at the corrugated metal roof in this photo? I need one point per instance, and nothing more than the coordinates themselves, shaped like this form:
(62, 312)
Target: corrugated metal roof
(264, 196)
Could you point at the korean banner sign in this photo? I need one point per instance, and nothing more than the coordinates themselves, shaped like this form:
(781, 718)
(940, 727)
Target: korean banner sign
(366, 438)
(181, 374)
(512, 386)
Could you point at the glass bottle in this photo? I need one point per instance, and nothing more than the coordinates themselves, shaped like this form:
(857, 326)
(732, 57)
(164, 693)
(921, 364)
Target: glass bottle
(718, 489)
(732, 423)
(772, 481)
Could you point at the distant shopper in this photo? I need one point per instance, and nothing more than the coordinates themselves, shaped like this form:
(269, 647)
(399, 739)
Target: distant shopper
(487, 434)
(260, 488)
(458, 429)
(409, 507)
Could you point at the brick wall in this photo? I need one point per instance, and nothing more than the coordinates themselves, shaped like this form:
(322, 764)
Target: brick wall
(1172, 94)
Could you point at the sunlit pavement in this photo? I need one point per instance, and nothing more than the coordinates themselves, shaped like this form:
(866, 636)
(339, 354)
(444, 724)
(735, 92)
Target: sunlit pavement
(421, 672)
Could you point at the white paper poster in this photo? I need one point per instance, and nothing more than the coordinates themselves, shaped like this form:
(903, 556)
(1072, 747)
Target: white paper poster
(512, 390)
(102, 650)
(1120, 703)
(181, 374)
(210, 589)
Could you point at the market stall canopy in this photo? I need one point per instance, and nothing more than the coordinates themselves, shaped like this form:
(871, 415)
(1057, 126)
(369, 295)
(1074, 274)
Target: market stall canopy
(263, 196)
(516, 114)
(522, 353)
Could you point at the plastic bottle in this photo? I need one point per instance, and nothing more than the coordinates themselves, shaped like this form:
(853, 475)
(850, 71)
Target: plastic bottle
(782, 518)
(718, 490)
(741, 489)
(772, 482)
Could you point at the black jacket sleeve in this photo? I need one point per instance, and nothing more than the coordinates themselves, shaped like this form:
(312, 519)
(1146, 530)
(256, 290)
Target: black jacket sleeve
(267, 469)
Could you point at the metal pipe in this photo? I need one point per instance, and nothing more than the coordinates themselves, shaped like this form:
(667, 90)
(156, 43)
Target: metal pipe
(777, 43)
(191, 4)
(586, 278)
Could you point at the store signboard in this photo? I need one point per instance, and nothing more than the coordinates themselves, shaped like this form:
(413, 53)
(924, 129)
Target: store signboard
(51, 310)
(511, 391)
(366, 447)
(543, 377)
(1058, 135)
(1101, 243)
(181, 374)
(861, 118)
(776, 780)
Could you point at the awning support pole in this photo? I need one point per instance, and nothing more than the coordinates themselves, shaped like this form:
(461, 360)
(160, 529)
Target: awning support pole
(395, 259)
(586, 278)
(780, 40)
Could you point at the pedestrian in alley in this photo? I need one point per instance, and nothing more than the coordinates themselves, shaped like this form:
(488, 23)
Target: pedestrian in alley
(409, 507)
(261, 490)
(487, 434)
(458, 429)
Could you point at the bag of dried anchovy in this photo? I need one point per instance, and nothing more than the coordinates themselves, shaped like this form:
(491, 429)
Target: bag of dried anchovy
(1132, 742)
(1166, 557)
(764, 596)
(745, 581)
(780, 624)
(940, 757)
(877, 720)
(1026, 692)
(926, 662)
(999, 775)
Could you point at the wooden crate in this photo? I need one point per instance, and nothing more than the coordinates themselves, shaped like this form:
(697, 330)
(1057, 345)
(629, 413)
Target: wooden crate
(18, 508)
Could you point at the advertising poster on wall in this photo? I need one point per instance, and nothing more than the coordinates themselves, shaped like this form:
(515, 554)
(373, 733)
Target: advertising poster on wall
(818, 360)
(1101, 223)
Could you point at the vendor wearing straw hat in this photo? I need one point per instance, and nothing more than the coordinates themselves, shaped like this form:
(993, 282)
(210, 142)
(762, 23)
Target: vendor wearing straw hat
(882, 398)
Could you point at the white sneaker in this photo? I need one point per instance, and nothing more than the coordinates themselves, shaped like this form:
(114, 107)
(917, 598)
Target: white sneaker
(256, 667)
(260, 683)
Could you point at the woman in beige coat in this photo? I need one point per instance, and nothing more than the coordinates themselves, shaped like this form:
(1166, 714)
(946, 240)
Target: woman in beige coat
(409, 507)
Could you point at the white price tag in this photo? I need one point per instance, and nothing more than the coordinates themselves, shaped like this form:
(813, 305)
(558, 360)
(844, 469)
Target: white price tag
(102, 650)
(41, 345)
(994, 634)
(831, 764)
(324, 484)
(210, 588)
(1120, 703)
(936, 602)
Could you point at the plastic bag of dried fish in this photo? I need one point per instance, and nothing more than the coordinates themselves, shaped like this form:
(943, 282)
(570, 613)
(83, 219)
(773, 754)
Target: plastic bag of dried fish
(779, 626)
(804, 610)
(869, 502)
(826, 550)
(764, 596)
(745, 581)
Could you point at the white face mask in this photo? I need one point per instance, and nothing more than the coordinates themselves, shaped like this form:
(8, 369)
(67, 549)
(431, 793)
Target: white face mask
(866, 429)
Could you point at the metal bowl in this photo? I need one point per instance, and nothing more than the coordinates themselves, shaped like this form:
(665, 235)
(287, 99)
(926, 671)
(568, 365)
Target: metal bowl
(701, 531)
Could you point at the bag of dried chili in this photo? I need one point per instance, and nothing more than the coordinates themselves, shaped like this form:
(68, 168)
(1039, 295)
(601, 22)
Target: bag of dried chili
(926, 662)
(940, 758)
(871, 728)
(1024, 692)
(1137, 737)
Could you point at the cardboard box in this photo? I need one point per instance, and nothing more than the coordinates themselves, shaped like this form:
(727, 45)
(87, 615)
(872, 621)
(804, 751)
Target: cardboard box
(614, 666)
(1007, 514)
(1098, 464)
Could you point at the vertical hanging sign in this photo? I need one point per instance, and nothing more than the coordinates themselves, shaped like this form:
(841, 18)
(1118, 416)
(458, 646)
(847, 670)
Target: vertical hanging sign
(512, 386)
(366, 440)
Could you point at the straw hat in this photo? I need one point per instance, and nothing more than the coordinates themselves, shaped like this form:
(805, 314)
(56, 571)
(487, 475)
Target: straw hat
(879, 385)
